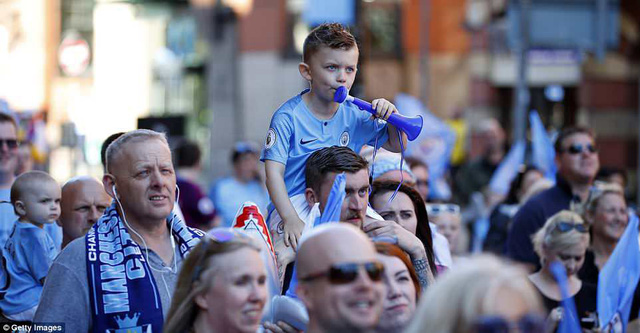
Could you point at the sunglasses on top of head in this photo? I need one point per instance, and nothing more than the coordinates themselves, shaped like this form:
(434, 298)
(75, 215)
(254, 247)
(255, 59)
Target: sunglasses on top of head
(348, 272)
(11, 143)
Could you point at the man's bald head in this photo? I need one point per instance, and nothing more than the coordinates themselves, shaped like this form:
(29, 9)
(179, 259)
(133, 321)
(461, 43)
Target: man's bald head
(330, 244)
(84, 200)
(347, 303)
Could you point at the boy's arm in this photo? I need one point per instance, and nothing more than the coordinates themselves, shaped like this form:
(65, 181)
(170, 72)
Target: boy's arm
(384, 109)
(292, 224)
(38, 258)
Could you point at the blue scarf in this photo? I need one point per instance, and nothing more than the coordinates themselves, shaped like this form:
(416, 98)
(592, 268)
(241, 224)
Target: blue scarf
(124, 295)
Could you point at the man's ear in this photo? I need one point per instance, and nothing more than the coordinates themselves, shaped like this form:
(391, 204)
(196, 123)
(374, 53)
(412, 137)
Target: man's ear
(108, 181)
(311, 196)
(20, 208)
(201, 301)
(305, 71)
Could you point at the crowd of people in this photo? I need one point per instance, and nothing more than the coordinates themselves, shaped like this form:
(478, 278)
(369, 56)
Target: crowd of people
(359, 244)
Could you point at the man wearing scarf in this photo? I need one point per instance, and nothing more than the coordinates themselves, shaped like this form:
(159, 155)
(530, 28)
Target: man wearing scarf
(121, 276)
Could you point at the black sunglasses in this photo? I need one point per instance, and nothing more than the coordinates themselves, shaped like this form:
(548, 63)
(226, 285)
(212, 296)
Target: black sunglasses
(568, 226)
(347, 273)
(529, 323)
(11, 143)
(576, 149)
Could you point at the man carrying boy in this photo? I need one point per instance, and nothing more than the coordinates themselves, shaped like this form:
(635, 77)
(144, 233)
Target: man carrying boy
(29, 251)
(311, 121)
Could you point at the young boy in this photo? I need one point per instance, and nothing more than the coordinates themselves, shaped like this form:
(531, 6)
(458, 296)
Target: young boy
(29, 251)
(311, 121)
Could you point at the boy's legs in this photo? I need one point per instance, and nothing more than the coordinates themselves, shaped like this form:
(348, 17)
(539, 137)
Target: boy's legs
(285, 254)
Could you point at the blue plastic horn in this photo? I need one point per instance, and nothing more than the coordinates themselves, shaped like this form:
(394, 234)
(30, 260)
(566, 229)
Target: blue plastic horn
(410, 125)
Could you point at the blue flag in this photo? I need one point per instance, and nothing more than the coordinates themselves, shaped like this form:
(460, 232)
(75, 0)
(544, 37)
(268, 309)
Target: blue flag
(331, 214)
(334, 201)
(618, 279)
(433, 146)
(543, 153)
(508, 169)
(320, 11)
(569, 322)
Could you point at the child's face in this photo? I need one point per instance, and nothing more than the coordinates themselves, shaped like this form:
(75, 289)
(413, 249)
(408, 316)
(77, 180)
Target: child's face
(42, 203)
(449, 226)
(331, 68)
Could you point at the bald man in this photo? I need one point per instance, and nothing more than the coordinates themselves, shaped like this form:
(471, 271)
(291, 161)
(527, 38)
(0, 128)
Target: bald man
(340, 280)
(83, 202)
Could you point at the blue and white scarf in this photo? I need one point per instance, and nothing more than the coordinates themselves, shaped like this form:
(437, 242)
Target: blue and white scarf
(123, 292)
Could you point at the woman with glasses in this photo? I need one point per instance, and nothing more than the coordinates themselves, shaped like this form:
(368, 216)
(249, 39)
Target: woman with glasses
(408, 210)
(402, 288)
(221, 286)
(447, 218)
(485, 295)
(564, 238)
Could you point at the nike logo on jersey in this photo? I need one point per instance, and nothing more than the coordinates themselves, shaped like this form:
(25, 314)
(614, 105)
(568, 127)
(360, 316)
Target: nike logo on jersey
(302, 142)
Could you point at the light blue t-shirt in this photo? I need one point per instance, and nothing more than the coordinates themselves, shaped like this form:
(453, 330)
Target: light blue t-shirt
(26, 258)
(295, 133)
(8, 218)
(228, 195)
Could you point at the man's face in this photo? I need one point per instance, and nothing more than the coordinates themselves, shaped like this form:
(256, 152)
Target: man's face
(353, 306)
(575, 162)
(354, 206)
(422, 180)
(331, 68)
(83, 203)
(8, 148)
(145, 180)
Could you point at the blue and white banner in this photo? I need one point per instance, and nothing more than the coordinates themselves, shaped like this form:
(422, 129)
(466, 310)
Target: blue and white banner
(508, 169)
(543, 154)
(570, 322)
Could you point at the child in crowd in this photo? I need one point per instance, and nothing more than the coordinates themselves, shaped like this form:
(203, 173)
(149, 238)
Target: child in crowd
(311, 121)
(29, 251)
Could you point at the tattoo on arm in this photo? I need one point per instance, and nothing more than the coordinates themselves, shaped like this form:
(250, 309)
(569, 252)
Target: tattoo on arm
(425, 276)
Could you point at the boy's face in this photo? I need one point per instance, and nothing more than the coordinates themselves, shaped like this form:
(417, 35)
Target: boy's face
(329, 69)
(41, 203)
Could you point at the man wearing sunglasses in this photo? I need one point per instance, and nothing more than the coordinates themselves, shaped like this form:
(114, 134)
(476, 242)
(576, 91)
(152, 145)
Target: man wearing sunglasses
(340, 280)
(8, 167)
(577, 161)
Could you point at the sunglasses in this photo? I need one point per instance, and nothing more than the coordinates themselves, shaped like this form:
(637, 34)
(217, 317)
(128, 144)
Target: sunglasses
(530, 323)
(347, 273)
(11, 143)
(219, 236)
(576, 149)
(422, 182)
(435, 209)
(568, 226)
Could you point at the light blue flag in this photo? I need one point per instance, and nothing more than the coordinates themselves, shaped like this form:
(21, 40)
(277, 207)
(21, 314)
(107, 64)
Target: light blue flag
(508, 169)
(618, 279)
(334, 201)
(569, 322)
(320, 11)
(433, 146)
(543, 154)
(331, 214)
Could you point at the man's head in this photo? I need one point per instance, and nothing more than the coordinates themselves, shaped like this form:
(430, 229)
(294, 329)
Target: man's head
(576, 155)
(36, 197)
(321, 170)
(83, 202)
(340, 280)
(421, 172)
(140, 176)
(8, 149)
(245, 158)
(330, 59)
(187, 154)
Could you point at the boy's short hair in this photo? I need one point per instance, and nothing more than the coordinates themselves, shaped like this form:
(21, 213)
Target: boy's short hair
(332, 35)
(25, 182)
(331, 159)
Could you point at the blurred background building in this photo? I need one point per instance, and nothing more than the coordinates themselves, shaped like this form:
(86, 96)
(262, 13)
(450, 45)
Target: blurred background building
(214, 71)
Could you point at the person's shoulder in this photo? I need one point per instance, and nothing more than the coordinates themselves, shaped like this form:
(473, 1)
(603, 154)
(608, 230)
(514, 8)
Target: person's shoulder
(74, 254)
(289, 106)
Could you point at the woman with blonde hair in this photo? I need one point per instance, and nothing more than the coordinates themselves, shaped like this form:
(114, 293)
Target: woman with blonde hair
(485, 294)
(221, 286)
(564, 238)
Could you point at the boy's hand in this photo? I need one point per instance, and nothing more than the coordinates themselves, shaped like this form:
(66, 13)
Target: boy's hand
(292, 230)
(383, 108)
